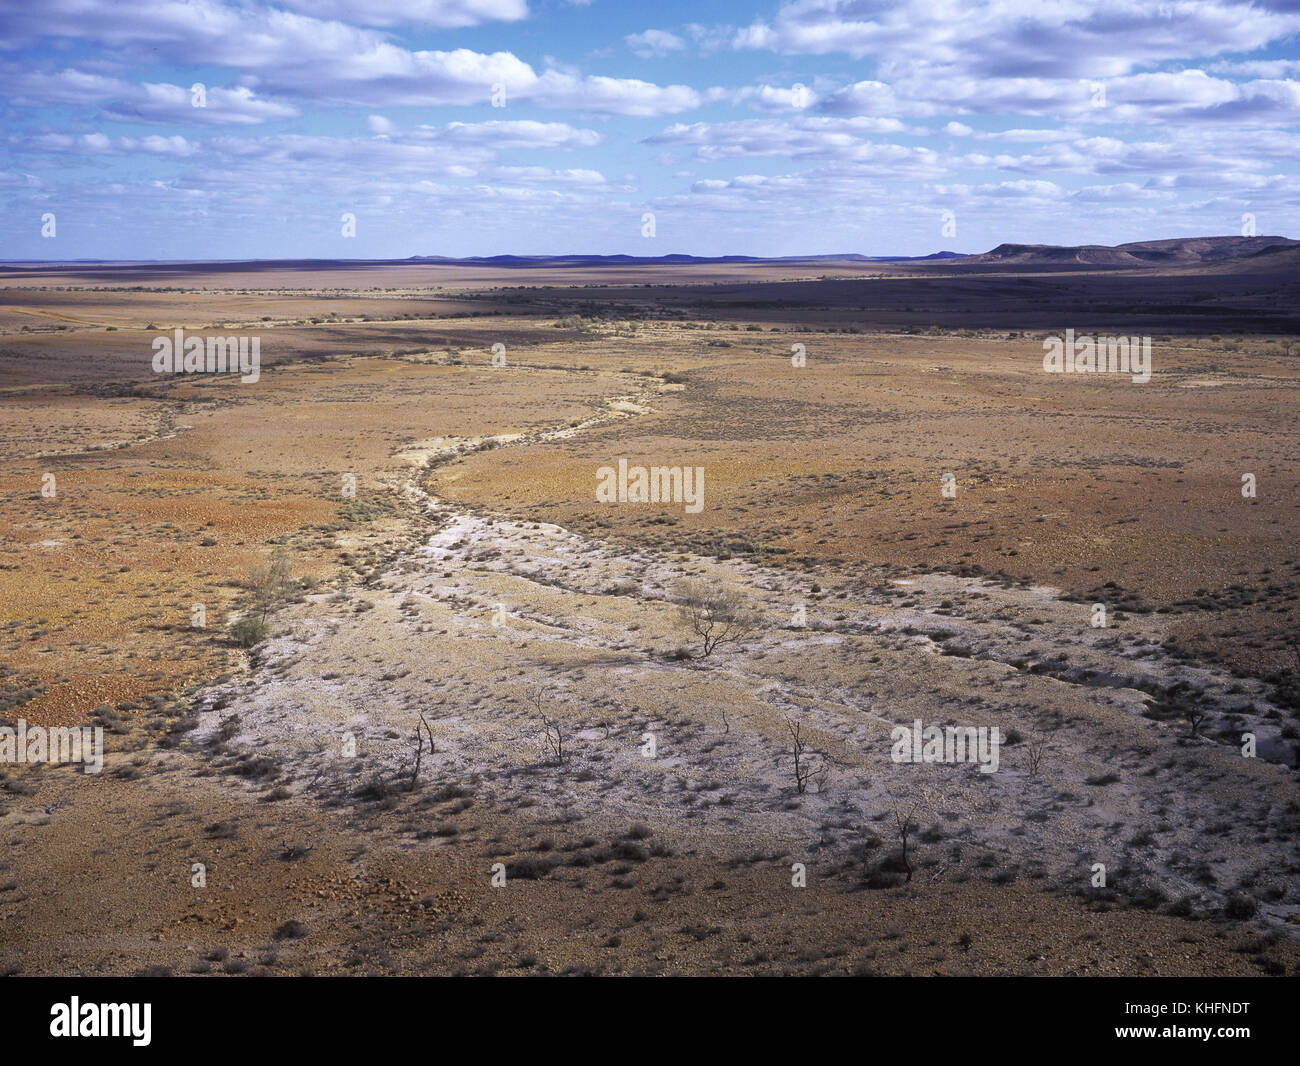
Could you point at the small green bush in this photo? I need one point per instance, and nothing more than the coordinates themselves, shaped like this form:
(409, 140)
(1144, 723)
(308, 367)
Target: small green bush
(248, 631)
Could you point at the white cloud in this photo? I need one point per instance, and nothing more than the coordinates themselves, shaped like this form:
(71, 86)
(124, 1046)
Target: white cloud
(329, 62)
(800, 138)
(620, 96)
(871, 98)
(445, 14)
(1002, 38)
(772, 98)
(146, 101)
(653, 43)
(102, 144)
(1188, 95)
(547, 176)
(239, 106)
(501, 135)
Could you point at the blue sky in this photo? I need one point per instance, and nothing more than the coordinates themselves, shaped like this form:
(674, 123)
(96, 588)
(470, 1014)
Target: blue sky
(478, 127)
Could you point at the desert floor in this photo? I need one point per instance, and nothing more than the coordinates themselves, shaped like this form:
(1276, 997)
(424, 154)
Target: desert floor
(640, 798)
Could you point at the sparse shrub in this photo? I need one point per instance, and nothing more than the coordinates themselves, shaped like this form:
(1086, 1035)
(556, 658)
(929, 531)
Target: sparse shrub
(270, 585)
(1240, 906)
(376, 789)
(249, 631)
(625, 849)
(532, 867)
(714, 615)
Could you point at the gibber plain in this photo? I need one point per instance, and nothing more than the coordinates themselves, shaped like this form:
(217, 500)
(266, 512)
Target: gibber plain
(389, 686)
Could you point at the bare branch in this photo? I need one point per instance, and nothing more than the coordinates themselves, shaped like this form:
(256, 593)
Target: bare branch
(554, 733)
(806, 769)
(905, 827)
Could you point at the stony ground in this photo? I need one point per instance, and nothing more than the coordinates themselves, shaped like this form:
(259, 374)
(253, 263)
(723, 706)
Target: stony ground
(640, 798)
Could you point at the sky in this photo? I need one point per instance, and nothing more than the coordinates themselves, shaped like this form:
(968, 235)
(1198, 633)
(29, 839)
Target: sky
(235, 129)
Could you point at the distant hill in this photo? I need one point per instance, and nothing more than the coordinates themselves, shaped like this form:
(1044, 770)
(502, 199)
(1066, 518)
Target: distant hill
(1178, 251)
(1216, 254)
(1277, 259)
(672, 259)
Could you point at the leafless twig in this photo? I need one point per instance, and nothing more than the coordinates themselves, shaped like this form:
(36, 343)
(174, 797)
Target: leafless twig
(806, 769)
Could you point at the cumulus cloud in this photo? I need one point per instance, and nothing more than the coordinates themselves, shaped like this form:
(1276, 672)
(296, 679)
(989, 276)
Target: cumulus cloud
(1016, 112)
(325, 61)
(803, 138)
(653, 43)
(1006, 38)
(102, 144)
(160, 102)
(620, 96)
(157, 102)
(547, 176)
(445, 14)
(1189, 95)
(501, 135)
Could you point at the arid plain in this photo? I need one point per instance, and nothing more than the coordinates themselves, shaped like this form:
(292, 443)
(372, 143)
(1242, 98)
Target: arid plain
(641, 798)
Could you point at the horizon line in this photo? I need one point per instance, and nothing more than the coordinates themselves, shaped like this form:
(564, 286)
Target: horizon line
(417, 258)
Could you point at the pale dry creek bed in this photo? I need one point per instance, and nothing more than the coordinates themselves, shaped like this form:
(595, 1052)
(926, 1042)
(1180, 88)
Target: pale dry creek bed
(492, 614)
